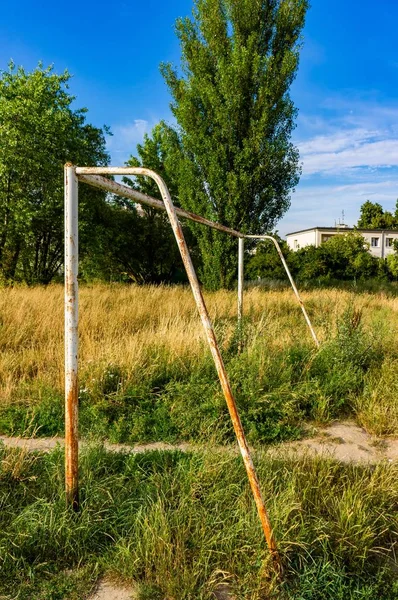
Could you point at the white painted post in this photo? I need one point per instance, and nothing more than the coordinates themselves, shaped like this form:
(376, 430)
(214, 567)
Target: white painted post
(241, 249)
(71, 337)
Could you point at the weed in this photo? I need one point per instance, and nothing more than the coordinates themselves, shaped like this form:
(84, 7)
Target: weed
(181, 524)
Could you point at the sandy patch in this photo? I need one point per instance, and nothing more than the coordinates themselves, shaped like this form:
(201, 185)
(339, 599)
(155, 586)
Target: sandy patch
(344, 441)
(109, 591)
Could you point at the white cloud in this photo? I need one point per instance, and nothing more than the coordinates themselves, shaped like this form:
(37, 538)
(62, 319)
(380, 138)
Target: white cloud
(322, 205)
(125, 138)
(335, 141)
(341, 152)
(349, 152)
(351, 135)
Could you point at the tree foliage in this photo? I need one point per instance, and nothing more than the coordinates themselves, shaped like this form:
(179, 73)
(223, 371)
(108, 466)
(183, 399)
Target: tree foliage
(265, 263)
(392, 261)
(39, 132)
(374, 217)
(343, 257)
(347, 256)
(236, 163)
(160, 258)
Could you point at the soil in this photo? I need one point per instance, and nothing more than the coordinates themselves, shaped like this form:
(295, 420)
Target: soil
(109, 591)
(343, 441)
(106, 590)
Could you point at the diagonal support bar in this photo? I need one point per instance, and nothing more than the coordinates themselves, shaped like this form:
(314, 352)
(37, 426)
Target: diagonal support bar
(93, 176)
(119, 189)
(211, 339)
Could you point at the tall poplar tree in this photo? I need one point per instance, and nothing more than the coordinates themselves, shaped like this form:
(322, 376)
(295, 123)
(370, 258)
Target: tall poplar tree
(237, 164)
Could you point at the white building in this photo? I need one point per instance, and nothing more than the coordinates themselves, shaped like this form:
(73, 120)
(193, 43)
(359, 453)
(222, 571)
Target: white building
(381, 241)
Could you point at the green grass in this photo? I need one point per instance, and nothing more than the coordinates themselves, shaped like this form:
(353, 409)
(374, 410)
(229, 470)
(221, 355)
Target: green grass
(179, 523)
(276, 391)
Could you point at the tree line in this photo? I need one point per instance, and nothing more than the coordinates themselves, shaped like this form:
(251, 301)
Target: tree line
(229, 157)
(344, 257)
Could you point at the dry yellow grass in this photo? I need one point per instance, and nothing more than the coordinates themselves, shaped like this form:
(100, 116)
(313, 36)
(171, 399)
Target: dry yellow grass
(131, 326)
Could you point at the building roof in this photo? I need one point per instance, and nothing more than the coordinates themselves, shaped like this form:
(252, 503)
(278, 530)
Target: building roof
(342, 229)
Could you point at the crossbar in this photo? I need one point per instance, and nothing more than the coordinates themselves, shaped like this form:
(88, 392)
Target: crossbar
(123, 190)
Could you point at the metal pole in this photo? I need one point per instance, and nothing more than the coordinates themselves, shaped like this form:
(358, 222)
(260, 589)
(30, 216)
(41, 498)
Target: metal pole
(241, 249)
(295, 290)
(71, 338)
(215, 351)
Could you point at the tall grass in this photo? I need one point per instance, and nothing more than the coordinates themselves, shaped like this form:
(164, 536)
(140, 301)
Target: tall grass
(146, 372)
(181, 524)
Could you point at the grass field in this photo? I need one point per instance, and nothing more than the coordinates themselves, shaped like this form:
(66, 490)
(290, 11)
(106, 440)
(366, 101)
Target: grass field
(146, 373)
(181, 523)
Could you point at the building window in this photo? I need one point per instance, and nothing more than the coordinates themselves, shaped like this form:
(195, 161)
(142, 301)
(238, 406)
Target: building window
(326, 237)
(389, 242)
(296, 245)
(374, 242)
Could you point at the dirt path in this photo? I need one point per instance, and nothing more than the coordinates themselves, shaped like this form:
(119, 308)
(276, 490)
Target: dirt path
(343, 441)
(109, 591)
(48, 444)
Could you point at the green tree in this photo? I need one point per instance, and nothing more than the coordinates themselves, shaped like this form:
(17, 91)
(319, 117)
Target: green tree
(370, 213)
(372, 216)
(39, 132)
(117, 250)
(347, 256)
(343, 257)
(310, 264)
(392, 260)
(235, 117)
(160, 257)
(265, 263)
(157, 152)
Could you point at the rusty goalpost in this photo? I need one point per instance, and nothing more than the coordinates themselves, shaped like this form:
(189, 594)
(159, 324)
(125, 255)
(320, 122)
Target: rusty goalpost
(95, 176)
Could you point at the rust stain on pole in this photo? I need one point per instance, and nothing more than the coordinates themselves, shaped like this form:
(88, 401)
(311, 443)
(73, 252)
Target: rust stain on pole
(71, 338)
(211, 338)
(71, 448)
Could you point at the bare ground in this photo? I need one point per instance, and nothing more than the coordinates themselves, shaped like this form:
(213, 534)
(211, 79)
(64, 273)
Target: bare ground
(107, 590)
(344, 441)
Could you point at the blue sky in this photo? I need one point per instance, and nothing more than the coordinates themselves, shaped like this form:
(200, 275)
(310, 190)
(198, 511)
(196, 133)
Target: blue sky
(346, 89)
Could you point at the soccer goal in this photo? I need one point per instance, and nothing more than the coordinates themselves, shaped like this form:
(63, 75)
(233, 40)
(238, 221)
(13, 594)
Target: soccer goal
(95, 176)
